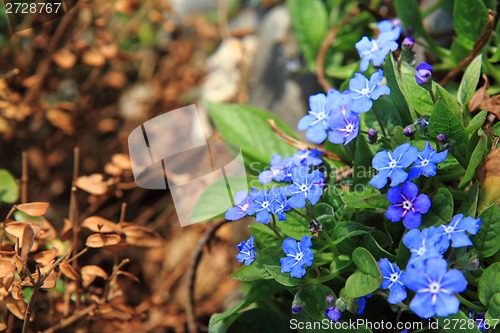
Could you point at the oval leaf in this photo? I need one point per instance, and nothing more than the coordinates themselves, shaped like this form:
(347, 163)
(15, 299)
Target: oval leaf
(102, 240)
(34, 208)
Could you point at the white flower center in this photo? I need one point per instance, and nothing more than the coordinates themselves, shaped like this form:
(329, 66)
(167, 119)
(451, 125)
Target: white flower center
(299, 256)
(365, 92)
(265, 204)
(424, 162)
(407, 205)
(349, 128)
(394, 277)
(303, 188)
(434, 287)
(321, 116)
(448, 229)
(392, 164)
(244, 207)
(421, 251)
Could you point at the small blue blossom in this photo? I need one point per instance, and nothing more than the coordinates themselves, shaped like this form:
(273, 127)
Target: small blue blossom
(279, 202)
(376, 50)
(429, 243)
(305, 186)
(392, 280)
(278, 171)
(243, 202)
(392, 165)
(345, 127)
(296, 308)
(362, 304)
(318, 119)
(261, 206)
(308, 157)
(298, 255)
(393, 26)
(426, 161)
(247, 251)
(406, 204)
(333, 314)
(363, 91)
(435, 285)
(457, 230)
(424, 72)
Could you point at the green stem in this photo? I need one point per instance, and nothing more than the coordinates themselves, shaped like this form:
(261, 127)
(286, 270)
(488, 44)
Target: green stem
(299, 213)
(379, 120)
(272, 226)
(477, 308)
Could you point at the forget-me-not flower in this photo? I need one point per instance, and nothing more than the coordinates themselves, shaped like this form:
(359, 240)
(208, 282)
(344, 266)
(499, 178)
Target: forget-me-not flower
(363, 91)
(392, 165)
(344, 127)
(424, 72)
(243, 202)
(333, 314)
(317, 121)
(406, 204)
(308, 157)
(392, 280)
(305, 186)
(261, 205)
(435, 285)
(426, 161)
(279, 170)
(429, 243)
(279, 202)
(247, 251)
(298, 255)
(457, 230)
(376, 50)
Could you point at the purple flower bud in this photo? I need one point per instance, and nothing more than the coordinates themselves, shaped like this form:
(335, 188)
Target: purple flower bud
(330, 298)
(296, 308)
(372, 133)
(424, 72)
(442, 137)
(409, 131)
(408, 42)
(333, 314)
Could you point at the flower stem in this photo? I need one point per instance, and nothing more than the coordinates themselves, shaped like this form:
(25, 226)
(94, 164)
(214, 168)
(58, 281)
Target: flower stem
(379, 120)
(272, 226)
(432, 94)
(477, 308)
(299, 213)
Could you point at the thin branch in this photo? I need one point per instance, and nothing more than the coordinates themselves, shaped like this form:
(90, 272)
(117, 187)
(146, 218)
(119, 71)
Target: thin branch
(70, 320)
(72, 204)
(480, 43)
(299, 144)
(195, 260)
(329, 39)
(24, 178)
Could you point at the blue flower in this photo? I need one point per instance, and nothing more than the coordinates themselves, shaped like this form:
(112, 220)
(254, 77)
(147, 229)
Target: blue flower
(278, 171)
(247, 251)
(457, 230)
(308, 157)
(429, 243)
(305, 186)
(407, 205)
(363, 91)
(279, 202)
(434, 286)
(426, 161)
(392, 165)
(298, 255)
(376, 50)
(392, 280)
(261, 205)
(362, 304)
(393, 26)
(424, 72)
(345, 127)
(243, 202)
(318, 119)
(333, 314)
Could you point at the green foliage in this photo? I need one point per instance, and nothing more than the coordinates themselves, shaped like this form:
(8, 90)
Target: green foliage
(470, 20)
(9, 190)
(487, 240)
(367, 278)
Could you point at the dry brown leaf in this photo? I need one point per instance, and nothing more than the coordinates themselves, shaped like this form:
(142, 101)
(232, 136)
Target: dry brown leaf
(109, 51)
(116, 248)
(129, 275)
(115, 79)
(16, 229)
(493, 105)
(3, 327)
(90, 273)
(27, 241)
(64, 58)
(93, 58)
(141, 236)
(68, 271)
(93, 184)
(67, 232)
(122, 161)
(34, 208)
(47, 231)
(18, 263)
(99, 224)
(112, 170)
(488, 175)
(480, 96)
(16, 307)
(46, 257)
(102, 240)
(126, 6)
(6, 267)
(62, 120)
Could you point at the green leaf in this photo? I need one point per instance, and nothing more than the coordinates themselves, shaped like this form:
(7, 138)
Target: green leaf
(247, 128)
(475, 160)
(487, 240)
(344, 230)
(9, 190)
(398, 137)
(340, 263)
(409, 12)
(367, 278)
(394, 81)
(365, 200)
(477, 122)
(263, 234)
(489, 284)
(295, 226)
(389, 114)
(313, 302)
(283, 278)
(469, 81)
(374, 243)
(469, 205)
(470, 20)
(441, 210)
(259, 320)
(493, 312)
(417, 96)
(268, 255)
(448, 99)
(362, 161)
(310, 24)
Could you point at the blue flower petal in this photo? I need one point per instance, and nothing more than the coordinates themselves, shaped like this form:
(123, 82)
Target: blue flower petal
(422, 305)
(397, 293)
(412, 220)
(446, 305)
(454, 281)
